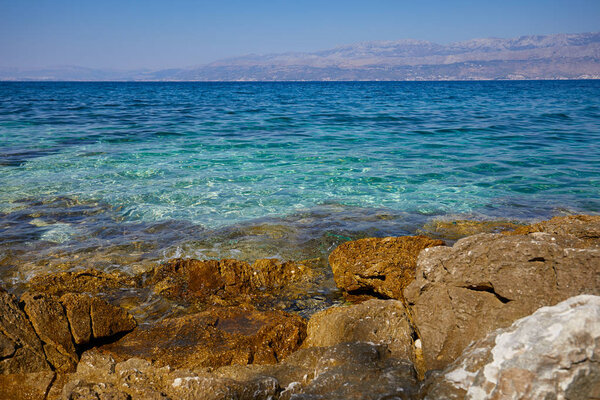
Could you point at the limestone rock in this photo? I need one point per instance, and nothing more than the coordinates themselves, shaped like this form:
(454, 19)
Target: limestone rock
(375, 321)
(381, 267)
(86, 281)
(100, 376)
(191, 279)
(21, 348)
(219, 336)
(31, 386)
(487, 281)
(345, 371)
(50, 322)
(584, 227)
(552, 354)
(77, 308)
(108, 320)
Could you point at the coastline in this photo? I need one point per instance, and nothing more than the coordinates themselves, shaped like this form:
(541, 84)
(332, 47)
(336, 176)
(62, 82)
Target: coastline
(258, 305)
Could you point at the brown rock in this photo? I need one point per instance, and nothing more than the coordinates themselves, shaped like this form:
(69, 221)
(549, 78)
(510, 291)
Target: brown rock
(32, 386)
(199, 280)
(21, 346)
(220, 336)
(85, 281)
(487, 281)
(50, 322)
(584, 227)
(7, 346)
(108, 320)
(457, 229)
(77, 308)
(378, 267)
(100, 376)
(375, 321)
(345, 371)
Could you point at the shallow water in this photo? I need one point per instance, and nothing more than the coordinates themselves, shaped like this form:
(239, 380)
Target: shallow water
(124, 175)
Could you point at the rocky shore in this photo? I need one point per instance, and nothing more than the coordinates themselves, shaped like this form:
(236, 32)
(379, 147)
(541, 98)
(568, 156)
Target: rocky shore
(514, 314)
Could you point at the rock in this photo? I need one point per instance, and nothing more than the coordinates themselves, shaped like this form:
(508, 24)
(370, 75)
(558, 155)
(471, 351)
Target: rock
(42, 333)
(584, 227)
(191, 279)
(378, 267)
(344, 371)
(375, 321)
(552, 354)
(51, 325)
(93, 318)
(7, 346)
(487, 281)
(108, 320)
(100, 376)
(21, 348)
(77, 308)
(219, 336)
(86, 281)
(30, 386)
(457, 229)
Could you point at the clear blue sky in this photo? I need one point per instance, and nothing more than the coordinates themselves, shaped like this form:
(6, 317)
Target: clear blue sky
(154, 34)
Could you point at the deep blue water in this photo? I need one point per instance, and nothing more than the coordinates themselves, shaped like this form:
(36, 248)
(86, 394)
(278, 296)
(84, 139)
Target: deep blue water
(217, 154)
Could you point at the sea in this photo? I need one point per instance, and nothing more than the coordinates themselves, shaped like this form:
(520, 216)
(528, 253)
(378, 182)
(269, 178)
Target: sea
(122, 176)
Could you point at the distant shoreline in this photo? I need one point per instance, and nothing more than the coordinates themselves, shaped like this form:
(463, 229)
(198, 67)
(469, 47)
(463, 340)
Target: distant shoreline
(308, 81)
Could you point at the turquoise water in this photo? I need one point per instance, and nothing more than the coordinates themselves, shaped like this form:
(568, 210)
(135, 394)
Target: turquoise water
(109, 164)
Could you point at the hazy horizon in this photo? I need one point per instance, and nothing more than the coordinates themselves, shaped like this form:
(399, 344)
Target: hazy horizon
(153, 35)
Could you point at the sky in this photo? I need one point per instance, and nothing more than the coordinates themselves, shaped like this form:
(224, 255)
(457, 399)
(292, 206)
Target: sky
(152, 34)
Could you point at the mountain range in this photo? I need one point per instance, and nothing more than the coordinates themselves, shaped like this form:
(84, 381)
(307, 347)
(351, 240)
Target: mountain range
(559, 56)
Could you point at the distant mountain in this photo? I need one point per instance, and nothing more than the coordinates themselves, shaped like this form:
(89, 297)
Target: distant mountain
(561, 56)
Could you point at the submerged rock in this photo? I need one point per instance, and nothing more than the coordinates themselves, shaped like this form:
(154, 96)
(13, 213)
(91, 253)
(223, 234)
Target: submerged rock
(378, 267)
(85, 281)
(487, 281)
(457, 229)
(552, 354)
(213, 338)
(198, 280)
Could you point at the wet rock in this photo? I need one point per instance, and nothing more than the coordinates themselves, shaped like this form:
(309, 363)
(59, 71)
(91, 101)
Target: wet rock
(21, 348)
(219, 336)
(51, 325)
(375, 321)
(344, 371)
(30, 386)
(86, 281)
(487, 281)
(457, 229)
(551, 354)
(378, 267)
(584, 227)
(191, 279)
